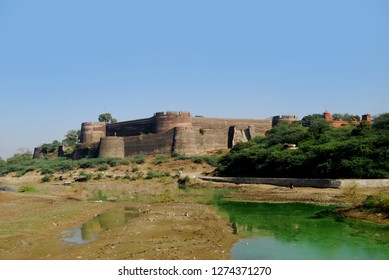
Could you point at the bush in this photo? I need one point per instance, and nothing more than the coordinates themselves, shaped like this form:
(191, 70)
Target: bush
(87, 176)
(159, 159)
(139, 159)
(46, 178)
(134, 168)
(47, 170)
(103, 167)
(183, 182)
(378, 203)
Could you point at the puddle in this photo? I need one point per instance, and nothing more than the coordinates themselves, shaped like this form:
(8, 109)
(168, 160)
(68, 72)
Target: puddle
(90, 231)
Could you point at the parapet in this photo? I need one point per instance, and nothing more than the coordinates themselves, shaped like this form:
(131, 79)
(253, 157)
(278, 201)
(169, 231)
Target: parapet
(173, 114)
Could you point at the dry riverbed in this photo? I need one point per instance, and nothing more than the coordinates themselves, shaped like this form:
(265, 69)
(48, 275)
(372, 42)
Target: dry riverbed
(170, 223)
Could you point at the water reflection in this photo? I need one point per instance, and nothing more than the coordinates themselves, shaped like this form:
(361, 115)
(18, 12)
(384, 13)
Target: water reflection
(90, 230)
(302, 231)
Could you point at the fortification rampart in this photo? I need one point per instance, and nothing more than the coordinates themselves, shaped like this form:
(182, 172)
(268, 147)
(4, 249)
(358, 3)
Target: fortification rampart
(195, 141)
(167, 133)
(160, 143)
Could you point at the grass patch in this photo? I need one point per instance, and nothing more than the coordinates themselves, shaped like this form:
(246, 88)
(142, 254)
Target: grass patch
(99, 195)
(378, 203)
(28, 189)
(159, 159)
(151, 174)
(212, 160)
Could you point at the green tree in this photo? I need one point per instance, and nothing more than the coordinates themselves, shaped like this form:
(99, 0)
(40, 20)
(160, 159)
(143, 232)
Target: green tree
(307, 120)
(72, 138)
(323, 152)
(107, 117)
(50, 148)
(318, 127)
(381, 121)
(284, 133)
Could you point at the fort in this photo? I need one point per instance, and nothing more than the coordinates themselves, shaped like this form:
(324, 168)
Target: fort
(169, 133)
(173, 133)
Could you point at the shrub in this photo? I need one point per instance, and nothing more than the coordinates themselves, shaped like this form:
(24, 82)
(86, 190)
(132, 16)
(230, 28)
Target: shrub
(183, 182)
(114, 162)
(378, 203)
(103, 167)
(127, 176)
(46, 178)
(159, 159)
(125, 161)
(87, 176)
(47, 170)
(139, 159)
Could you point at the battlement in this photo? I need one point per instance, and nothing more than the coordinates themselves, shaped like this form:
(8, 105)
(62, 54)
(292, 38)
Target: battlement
(113, 138)
(173, 114)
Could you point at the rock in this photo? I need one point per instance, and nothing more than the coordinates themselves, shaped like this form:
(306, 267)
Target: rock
(6, 189)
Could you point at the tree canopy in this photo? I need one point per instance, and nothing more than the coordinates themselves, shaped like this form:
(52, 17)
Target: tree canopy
(323, 152)
(107, 117)
(72, 138)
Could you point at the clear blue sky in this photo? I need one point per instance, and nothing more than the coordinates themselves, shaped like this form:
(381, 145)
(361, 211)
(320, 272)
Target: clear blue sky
(65, 62)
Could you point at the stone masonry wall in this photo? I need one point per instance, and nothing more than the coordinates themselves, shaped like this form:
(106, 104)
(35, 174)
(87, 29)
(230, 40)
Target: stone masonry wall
(160, 143)
(195, 141)
(131, 128)
(261, 125)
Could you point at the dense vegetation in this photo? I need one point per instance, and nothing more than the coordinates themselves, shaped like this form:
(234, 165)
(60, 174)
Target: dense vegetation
(22, 163)
(323, 151)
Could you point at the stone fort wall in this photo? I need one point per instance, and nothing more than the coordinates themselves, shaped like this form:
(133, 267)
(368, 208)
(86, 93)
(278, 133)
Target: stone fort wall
(171, 132)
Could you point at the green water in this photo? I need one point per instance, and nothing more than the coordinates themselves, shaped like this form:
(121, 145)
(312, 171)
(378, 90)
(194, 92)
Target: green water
(286, 231)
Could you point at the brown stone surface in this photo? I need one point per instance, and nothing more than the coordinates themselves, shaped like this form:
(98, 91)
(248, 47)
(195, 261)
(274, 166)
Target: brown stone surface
(171, 132)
